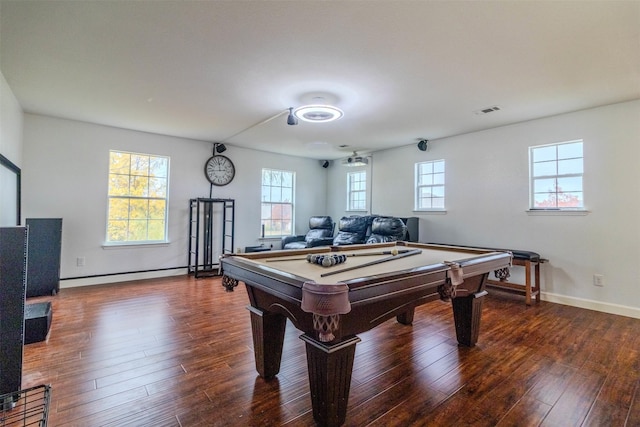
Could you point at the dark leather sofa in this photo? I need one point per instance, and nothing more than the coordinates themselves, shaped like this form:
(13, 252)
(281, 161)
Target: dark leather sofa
(375, 229)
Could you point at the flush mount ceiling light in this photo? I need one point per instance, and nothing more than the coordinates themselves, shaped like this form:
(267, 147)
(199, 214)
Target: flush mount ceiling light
(318, 113)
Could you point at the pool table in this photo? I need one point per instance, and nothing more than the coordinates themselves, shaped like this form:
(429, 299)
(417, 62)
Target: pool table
(331, 305)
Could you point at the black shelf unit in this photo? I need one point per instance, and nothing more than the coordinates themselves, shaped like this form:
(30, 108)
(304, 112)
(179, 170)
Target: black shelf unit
(44, 255)
(13, 285)
(204, 215)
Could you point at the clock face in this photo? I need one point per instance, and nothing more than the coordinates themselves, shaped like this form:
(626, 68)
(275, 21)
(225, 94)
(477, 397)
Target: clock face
(219, 170)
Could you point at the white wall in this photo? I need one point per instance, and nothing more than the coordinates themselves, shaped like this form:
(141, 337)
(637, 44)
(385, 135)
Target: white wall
(65, 175)
(487, 199)
(11, 117)
(65, 168)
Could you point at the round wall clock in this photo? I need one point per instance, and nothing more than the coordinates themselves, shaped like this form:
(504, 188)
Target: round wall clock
(219, 170)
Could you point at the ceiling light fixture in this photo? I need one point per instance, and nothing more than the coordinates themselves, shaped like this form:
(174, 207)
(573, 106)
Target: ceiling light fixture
(318, 113)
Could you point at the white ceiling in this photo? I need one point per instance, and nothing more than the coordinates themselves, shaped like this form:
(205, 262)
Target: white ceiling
(400, 70)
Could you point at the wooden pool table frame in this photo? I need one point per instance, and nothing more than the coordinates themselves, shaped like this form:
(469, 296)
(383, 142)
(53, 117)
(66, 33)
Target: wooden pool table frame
(276, 296)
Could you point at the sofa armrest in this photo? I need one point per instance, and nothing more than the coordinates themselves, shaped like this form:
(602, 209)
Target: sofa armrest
(325, 241)
(290, 239)
(413, 232)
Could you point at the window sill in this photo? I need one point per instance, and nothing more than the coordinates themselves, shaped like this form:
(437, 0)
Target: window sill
(130, 245)
(431, 212)
(557, 212)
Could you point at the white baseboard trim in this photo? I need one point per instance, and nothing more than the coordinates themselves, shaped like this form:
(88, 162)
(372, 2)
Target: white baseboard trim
(126, 277)
(618, 309)
(621, 310)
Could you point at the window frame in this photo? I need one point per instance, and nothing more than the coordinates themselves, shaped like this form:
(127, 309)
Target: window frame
(292, 190)
(351, 191)
(418, 187)
(149, 175)
(556, 176)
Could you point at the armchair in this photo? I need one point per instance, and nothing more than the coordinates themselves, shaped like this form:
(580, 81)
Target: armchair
(320, 234)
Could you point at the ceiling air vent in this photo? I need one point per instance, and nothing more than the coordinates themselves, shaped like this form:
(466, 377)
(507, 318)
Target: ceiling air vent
(487, 110)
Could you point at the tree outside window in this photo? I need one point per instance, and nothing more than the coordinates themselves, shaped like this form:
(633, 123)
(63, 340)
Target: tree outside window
(556, 172)
(138, 198)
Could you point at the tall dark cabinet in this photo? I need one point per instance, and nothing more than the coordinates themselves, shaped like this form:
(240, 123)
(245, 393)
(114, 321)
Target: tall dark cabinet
(45, 245)
(13, 272)
(205, 215)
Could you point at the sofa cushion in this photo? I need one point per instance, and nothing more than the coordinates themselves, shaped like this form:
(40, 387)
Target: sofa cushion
(324, 222)
(351, 230)
(296, 245)
(318, 233)
(387, 229)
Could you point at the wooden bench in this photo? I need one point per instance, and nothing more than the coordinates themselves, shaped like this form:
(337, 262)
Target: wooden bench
(531, 288)
(531, 262)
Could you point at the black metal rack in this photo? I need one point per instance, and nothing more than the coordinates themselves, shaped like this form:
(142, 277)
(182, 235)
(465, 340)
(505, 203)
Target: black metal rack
(28, 407)
(204, 215)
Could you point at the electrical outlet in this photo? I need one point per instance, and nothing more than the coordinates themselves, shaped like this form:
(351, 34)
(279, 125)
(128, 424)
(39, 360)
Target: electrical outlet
(80, 261)
(598, 280)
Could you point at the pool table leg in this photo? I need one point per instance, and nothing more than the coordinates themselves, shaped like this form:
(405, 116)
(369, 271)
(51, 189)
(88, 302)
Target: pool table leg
(268, 338)
(330, 368)
(467, 311)
(406, 318)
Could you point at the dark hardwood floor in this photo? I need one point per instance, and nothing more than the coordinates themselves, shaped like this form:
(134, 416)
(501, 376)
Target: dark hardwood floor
(178, 352)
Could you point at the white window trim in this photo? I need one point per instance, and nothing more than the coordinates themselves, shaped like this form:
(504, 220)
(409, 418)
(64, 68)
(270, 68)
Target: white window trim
(557, 212)
(430, 212)
(124, 245)
(416, 187)
(349, 208)
(566, 211)
(293, 206)
(107, 244)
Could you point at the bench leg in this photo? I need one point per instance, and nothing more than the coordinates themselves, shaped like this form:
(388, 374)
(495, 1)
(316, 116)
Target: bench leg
(537, 282)
(527, 283)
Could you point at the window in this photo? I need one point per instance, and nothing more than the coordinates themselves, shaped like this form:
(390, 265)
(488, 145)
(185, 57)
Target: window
(277, 202)
(429, 185)
(138, 196)
(357, 191)
(556, 176)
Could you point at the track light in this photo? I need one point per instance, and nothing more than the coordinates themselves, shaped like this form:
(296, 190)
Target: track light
(291, 119)
(422, 145)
